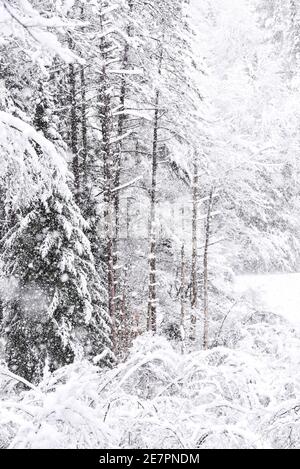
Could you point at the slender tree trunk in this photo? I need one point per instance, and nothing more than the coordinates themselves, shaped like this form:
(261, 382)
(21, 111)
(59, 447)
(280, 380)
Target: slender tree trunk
(108, 200)
(127, 219)
(117, 170)
(205, 272)
(194, 276)
(74, 131)
(105, 114)
(293, 9)
(152, 310)
(74, 125)
(84, 142)
(84, 151)
(182, 287)
(124, 316)
(117, 176)
(152, 299)
(121, 121)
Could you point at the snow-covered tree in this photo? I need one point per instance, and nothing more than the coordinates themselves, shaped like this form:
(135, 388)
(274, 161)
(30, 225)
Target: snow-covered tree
(56, 310)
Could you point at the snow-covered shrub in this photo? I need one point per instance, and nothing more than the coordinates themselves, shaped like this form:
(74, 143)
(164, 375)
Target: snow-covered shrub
(157, 398)
(61, 413)
(283, 428)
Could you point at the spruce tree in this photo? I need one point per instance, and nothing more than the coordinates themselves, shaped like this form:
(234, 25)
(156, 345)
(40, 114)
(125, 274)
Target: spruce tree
(57, 309)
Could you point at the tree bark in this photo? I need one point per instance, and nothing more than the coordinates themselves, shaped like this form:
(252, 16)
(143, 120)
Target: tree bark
(182, 287)
(105, 114)
(194, 276)
(152, 310)
(117, 171)
(205, 272)
(84, 138)
(74, 131)
(152, 299)
(121, 121)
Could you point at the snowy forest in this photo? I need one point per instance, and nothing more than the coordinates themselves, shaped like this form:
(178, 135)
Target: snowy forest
(150, 224)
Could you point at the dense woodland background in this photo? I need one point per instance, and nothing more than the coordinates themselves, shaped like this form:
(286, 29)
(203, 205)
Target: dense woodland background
(149, 155)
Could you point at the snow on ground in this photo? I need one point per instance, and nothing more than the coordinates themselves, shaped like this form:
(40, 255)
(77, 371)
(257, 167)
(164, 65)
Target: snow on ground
(242, 394)
(279, 293)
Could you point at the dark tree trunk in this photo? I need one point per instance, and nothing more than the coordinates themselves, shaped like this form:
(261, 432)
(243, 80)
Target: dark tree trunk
(152, 299)
(194, 276)
(74, 131)
(152, 310)
(205, 271)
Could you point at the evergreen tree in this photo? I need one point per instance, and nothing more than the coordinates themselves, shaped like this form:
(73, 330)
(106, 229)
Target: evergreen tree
(57, 310)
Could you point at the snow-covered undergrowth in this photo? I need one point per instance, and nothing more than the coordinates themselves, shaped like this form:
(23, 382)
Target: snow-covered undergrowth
(243, 397)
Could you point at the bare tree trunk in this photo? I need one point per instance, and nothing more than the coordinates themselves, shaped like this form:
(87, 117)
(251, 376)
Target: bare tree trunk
(84, 140)
(108, 216)
(182, 286)
(118, 155)
(74, 131)
(105, 114)
(127, 219)
(293, 10)
(84, 150)
(152, 299)
(194, 276)
(125, 322)
(152, 310)
(121, 121)
(205, 271)
(117, 177)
